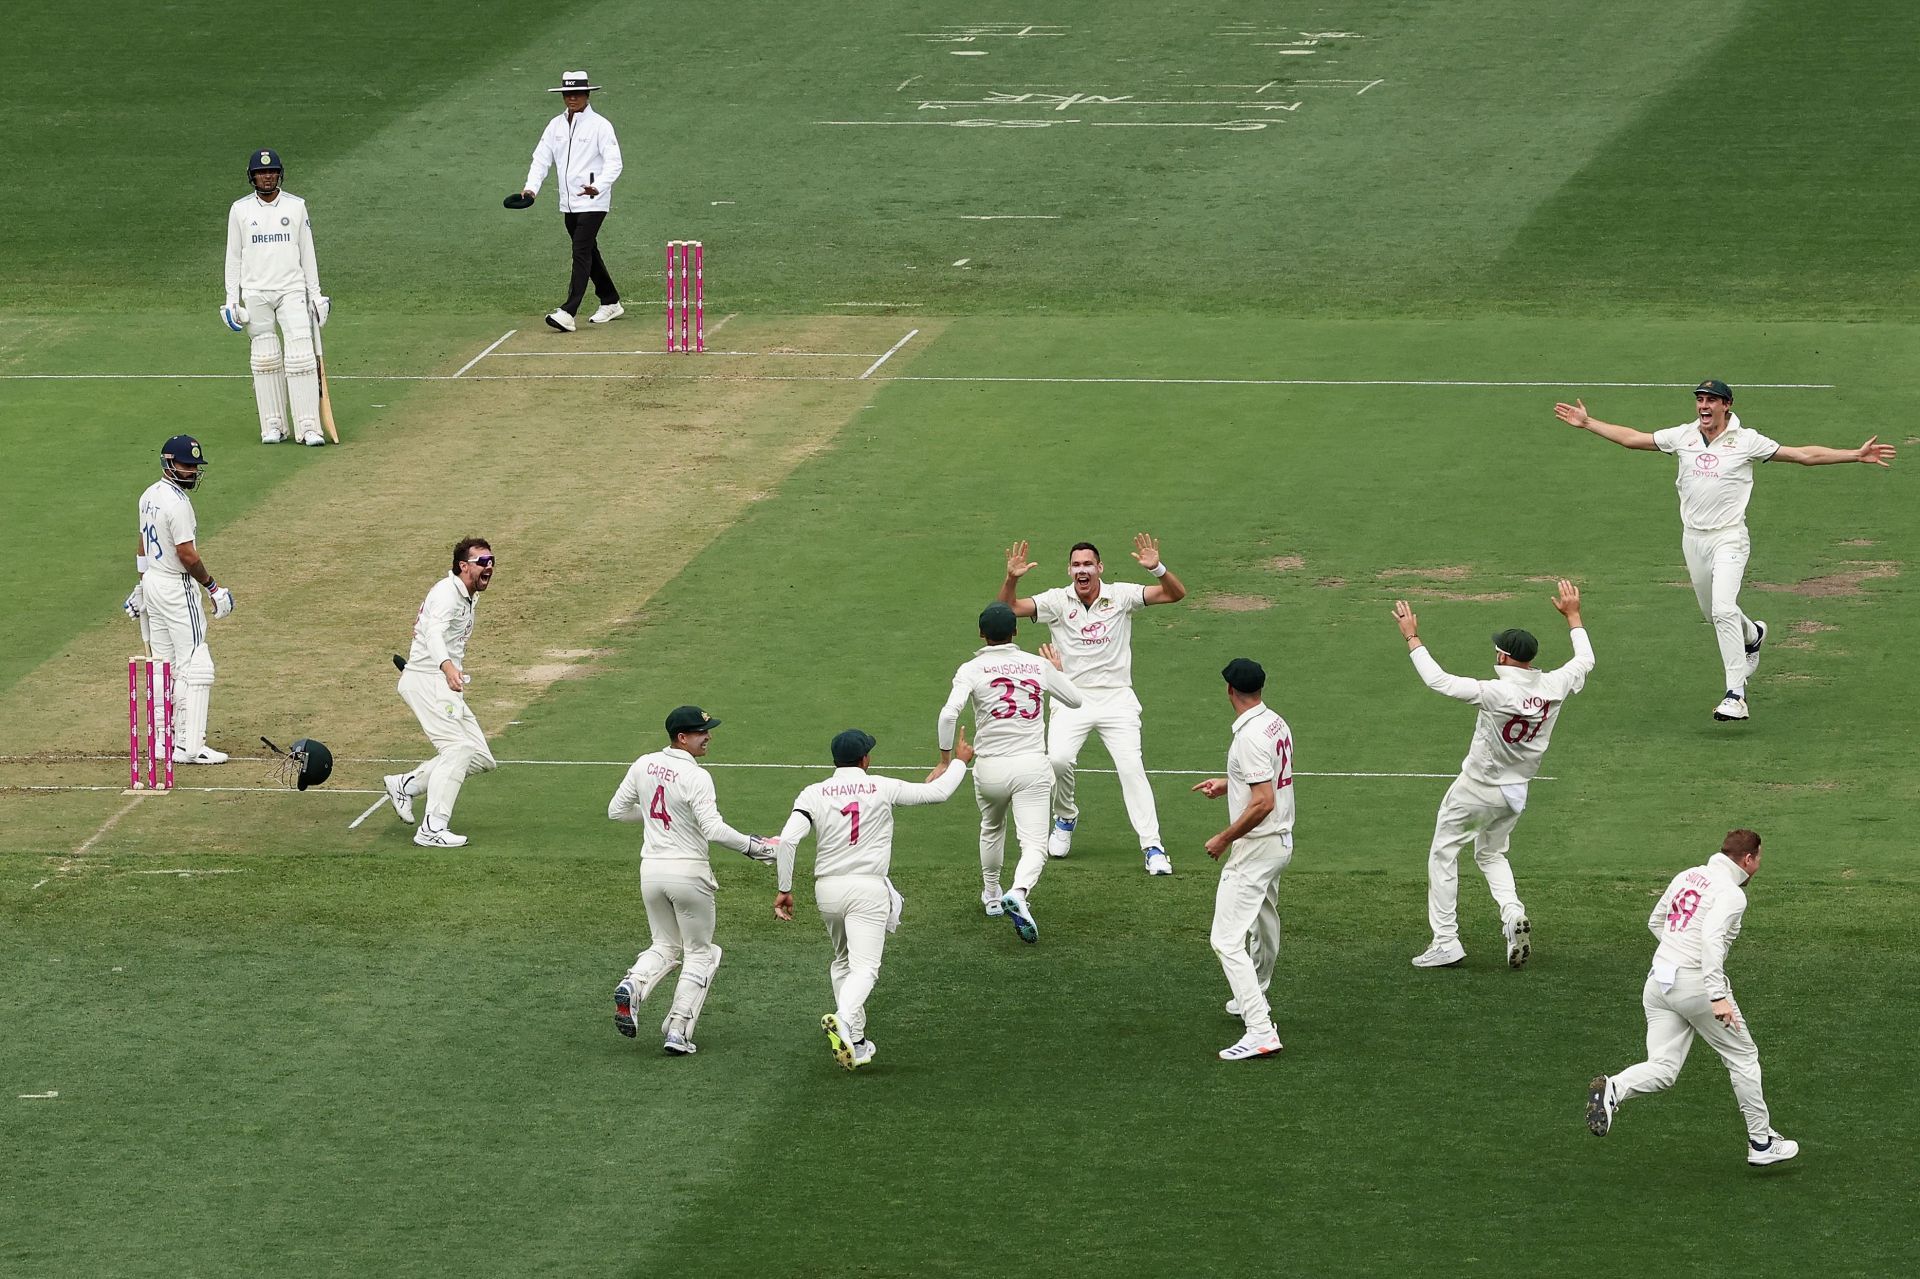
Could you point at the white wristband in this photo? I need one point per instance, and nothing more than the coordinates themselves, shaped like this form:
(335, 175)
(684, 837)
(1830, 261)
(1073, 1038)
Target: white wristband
(140, 564)
(1158, 570)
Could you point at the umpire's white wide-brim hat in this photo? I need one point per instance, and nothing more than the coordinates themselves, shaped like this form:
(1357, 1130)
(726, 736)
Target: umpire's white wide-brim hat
(575, 82)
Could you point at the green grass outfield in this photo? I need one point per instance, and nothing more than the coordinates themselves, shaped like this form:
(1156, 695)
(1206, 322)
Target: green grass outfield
(1317, 359)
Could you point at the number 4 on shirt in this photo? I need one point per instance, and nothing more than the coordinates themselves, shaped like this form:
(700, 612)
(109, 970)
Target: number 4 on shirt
(658, 808)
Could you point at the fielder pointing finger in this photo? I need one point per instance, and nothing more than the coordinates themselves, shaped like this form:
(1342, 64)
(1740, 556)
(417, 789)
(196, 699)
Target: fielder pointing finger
(1092, 625)
(1716, 456)
(274, 281)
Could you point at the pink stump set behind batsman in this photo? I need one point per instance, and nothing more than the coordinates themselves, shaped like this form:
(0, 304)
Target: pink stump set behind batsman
(158, 746)
(686, 297)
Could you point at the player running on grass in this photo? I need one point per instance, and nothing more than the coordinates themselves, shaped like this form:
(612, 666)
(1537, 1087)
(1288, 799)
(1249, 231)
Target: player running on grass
(1716, 456)
(1687, 994)
(1005, 687)
(1518, 708)
(1092, 626)
(851, 817)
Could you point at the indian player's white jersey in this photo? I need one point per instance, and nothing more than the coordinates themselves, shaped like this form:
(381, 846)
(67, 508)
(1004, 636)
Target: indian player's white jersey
(1715, 479)
(1696, 921)
(673, 797)
(270, 247)
(851, 816)
(443, 626)
(1005, 685)
(1262, 751)
(1518, 709)
(166, 520)
(1095, 640)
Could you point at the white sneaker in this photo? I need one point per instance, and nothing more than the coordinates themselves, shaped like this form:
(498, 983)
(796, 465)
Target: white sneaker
(610, 311)
(1060, 838)
(396, 785)
(562, 321)
(205, 755)
(1014, 906)
(1732, 706)
(990, 901)
(273, 437)
(864, 1052)
(1158, 863)
(1602, 1101)
(625, 996)
(1753, 649)
(442, 838)
(679, 1045)
(312, 438)
(1253, 1044)
(1233, 1008)
(1778, 1150)
(1519, 941)
(1440, 955)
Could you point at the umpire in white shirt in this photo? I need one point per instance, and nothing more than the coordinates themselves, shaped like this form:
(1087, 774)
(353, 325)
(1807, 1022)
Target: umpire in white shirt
(579, 143)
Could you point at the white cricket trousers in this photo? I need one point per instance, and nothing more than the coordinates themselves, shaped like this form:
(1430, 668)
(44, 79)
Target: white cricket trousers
(854, 909)
(174, 624)
(1474, 813)
(680, 919)
(1246, 922)
(1674, 1016)
(1020, 784)
(1717, 561)
(451, 727)
(1115, 714)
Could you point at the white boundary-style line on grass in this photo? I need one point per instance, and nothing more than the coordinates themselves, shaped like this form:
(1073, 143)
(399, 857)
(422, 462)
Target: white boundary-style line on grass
(875, 366)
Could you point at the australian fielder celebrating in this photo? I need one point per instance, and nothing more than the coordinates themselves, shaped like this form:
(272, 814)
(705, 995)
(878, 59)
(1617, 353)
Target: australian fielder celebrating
(1092, 626)
(1518, 709)
(851, 817)
(1005, 687)
(272, 279)
(1717, 456)
(166, 603)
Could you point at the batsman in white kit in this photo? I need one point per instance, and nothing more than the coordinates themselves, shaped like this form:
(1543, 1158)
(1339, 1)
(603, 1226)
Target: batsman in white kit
(851, 817)
(273, 282)
(1092, 625)
(1007, 689)
(1258, 842)
(166, 603)
(1716, 456)
(433, 684)
(1687, 994)
(1518, 709)
(672, 796)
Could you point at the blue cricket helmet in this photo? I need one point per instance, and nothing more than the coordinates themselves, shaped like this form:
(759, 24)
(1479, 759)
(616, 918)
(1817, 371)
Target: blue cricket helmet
(264, 161)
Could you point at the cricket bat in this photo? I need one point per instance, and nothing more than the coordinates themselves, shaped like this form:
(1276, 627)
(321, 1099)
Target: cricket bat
(320, 362)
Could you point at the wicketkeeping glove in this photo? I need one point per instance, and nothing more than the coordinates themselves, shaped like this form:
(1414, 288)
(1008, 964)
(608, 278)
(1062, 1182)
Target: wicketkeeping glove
(222, 599)
(762, 849)
(136, 604)
(234, 316)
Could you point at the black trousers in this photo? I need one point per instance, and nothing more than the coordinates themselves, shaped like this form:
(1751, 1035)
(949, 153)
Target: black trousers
(584, 230)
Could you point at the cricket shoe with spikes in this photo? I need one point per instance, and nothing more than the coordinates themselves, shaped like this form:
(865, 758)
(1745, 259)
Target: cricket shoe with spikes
(1753, 649)
(1732, 706)
(396, 788)
(625, 996)
(1442, 954)
(1252, 1045)
(838, 1043)
(1602, 1101)
(1014, 905)
(1519, 932)
(428, 837)
(205, 755)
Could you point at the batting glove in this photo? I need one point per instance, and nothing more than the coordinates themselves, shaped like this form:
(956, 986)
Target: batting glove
(222, 599)
(136, 604)
(322, 308)
(234, 316)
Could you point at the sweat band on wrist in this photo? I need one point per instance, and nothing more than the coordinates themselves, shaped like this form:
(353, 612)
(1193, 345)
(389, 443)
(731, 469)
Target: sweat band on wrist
(1158, 570)
(140, 564)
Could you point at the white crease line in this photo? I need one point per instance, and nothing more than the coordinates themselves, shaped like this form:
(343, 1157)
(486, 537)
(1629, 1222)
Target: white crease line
(371, 808)
(722, 322)
(1565, 384)
(183, 790)
(825, 355)
(1009, 217)
(110, 823)
(878, 304)
(183, 873)
(904, 83)
(1369, 86)
(489, 351)
(37, 1096)
(874, 367)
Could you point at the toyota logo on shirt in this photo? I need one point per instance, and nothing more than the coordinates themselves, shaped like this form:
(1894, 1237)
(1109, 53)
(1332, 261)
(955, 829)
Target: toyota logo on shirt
(1706, 463)
(1094, 633)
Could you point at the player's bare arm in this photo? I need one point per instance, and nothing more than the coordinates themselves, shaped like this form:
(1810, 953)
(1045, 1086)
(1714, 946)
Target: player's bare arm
(1259, 803)
(1409, 623)
(961, 751)
(1018, 565)
(1872, 452)
(190, 560)
(1575, 414)
(1168, 590)
(1566, 599)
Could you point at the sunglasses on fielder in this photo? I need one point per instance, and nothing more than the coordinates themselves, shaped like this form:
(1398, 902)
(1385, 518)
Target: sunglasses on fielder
(484, 561)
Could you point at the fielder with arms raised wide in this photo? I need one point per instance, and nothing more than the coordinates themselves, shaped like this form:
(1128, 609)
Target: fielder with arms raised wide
(1092, 626)
(273, 279)
(167, 606)
(1716, 456)
(433, 684)
(673, 796)
(1687, 994)
(1005, 687)
(851, 817)
(1518, 709)
(1259, 833)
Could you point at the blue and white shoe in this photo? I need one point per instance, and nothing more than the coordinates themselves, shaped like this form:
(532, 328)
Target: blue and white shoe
(1014, 904)
(1060, 838)
(990, 901)
(1158, 863)
(679, 1045)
